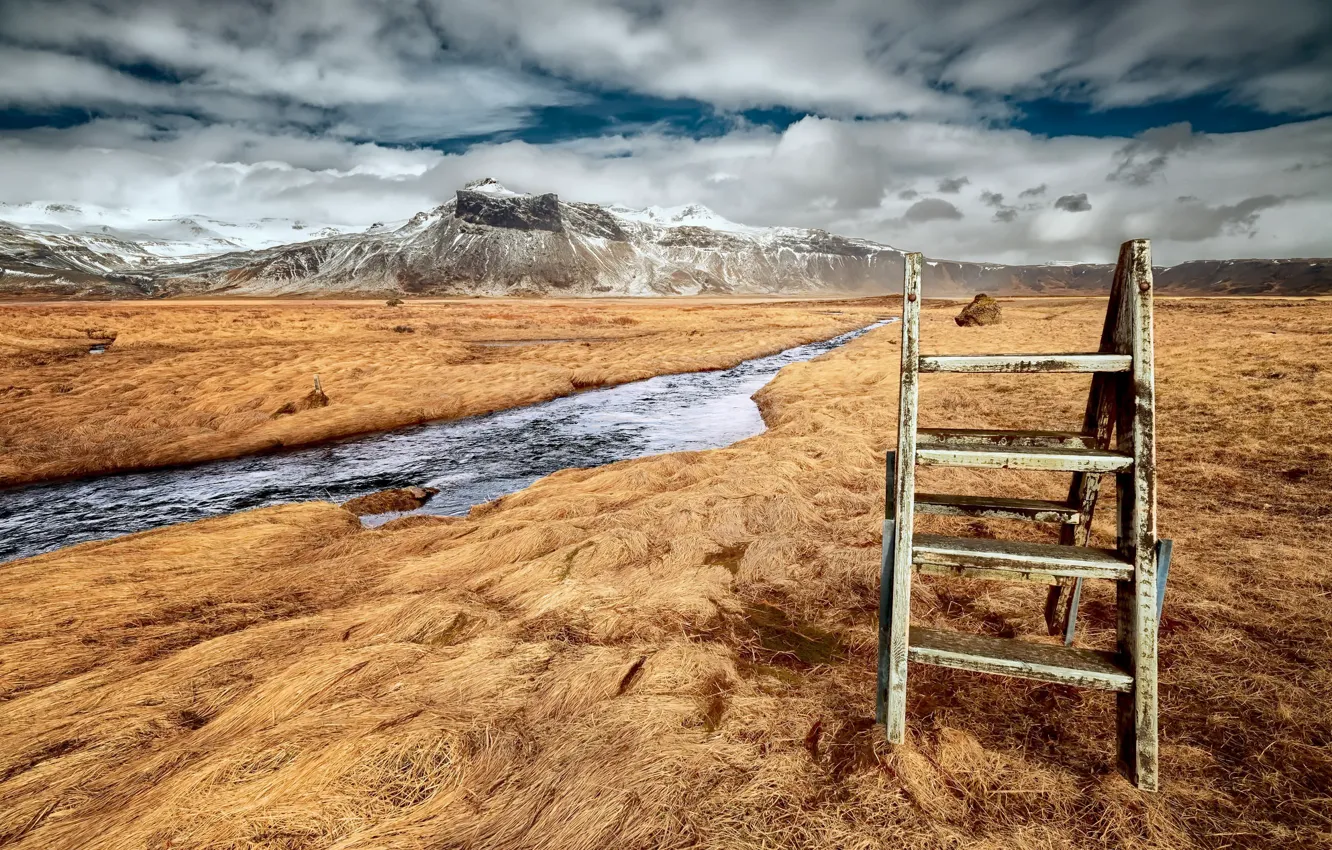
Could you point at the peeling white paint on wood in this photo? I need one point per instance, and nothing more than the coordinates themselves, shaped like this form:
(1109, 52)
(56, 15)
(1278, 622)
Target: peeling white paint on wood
(982, 363)
(1024, 457)
(1122, 403)
(994, 507)
(1082, 667)
(994, 437)
(1050, 558)
(895, 708)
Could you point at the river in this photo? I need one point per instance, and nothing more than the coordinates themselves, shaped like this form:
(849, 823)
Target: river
(470, 460)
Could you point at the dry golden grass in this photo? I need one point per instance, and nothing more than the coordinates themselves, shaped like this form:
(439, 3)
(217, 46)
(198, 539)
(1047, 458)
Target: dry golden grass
(679, 650)
(186, 382)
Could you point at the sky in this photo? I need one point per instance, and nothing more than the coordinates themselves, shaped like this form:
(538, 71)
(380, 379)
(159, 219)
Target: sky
(1003, 130)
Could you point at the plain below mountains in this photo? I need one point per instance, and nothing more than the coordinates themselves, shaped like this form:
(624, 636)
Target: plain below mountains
(491, 241)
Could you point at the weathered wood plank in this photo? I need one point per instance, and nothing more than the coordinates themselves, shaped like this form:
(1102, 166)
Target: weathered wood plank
(1010, 657)
(886, 585)
(1024, 457)
(890, 485)
(994, 437)
(994, 507)
(1015, 574)
(1019, 555)
(1137, 631)
(885, 617)
(900, 609)
(981, 363)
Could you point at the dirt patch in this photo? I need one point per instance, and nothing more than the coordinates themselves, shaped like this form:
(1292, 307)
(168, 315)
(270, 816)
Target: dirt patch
(728, 557)
(313, 400)
(770, 636)
(519, 343)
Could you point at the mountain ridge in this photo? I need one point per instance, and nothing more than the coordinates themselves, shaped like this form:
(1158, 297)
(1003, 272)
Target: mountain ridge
(489, 240)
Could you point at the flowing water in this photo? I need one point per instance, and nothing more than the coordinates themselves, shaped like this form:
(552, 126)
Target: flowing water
(471, 460)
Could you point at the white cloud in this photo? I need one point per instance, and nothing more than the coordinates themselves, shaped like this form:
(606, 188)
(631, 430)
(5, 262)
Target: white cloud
(292, 107)
(1149, 50)
(885, 56)
(38, 79)
(1243, 194)
(353, 68)
(221, 171)
(399, 71)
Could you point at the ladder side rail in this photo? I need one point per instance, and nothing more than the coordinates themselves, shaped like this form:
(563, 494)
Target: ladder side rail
(1098, 420)
(886, 584)
(904, 503)
(1137, 620)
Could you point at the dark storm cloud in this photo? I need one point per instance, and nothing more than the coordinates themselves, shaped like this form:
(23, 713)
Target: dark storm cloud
(908, 194)
(992, 199)
(952, 185)
(1301, 166)
(1033, 192)
(1192, 220)
(1142, 160)
(931, 209)
(1008, 215)
(1073, 203)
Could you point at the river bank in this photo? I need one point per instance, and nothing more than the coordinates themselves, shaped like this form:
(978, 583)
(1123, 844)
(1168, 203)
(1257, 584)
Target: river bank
(182, 383)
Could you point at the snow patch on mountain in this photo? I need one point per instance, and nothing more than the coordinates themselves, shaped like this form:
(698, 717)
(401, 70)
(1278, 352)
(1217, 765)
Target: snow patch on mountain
(686, 215)
(168, 238)
(490, 186)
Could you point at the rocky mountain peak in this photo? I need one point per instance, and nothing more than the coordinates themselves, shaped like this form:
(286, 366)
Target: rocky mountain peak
(516, 212)
(488, 185)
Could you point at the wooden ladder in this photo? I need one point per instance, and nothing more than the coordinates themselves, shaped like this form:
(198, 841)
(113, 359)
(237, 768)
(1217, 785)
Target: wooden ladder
(1121, 405)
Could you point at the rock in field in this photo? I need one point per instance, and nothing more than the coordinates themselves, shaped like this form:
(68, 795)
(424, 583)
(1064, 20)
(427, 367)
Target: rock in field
(983, 310)
(396, 499)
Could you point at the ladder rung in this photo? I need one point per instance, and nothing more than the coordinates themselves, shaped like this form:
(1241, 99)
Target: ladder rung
(984, 437)
(1024, 457)
(992, 507)
(1027, 363)
(1016, 556)
(1087, 668)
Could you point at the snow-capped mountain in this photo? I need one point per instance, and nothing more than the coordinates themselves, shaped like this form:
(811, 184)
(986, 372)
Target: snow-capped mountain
(92, 241)
(490, 240)
(493, 241)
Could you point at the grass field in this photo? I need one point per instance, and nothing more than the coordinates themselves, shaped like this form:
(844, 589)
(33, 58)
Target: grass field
(679, 651)
(191, 381)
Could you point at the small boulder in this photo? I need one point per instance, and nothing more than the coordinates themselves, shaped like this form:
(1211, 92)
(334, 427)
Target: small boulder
(398, 499)
(983, 310)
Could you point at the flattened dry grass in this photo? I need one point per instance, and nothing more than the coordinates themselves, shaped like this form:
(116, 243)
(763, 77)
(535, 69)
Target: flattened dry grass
(186, 382)
(679, 650)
